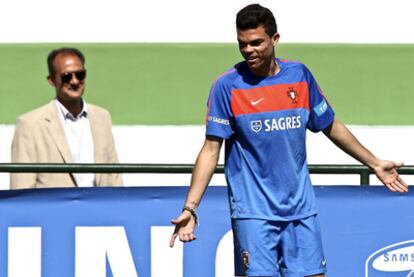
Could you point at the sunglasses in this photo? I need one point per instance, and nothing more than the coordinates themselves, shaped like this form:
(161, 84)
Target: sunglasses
(66, 77)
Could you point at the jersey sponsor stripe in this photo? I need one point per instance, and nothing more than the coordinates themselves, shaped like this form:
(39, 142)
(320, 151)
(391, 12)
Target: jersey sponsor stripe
(270, 98)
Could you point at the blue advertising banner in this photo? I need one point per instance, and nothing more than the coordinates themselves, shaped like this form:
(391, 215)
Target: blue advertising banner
(367, 231)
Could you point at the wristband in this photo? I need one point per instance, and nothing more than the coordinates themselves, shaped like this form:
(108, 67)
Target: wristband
(193, 213)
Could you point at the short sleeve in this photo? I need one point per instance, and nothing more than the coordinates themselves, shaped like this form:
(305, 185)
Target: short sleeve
(321, 113)
(219, 119)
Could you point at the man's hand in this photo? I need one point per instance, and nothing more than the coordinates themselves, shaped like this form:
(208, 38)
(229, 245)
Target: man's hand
(386, 171)
(184, 228)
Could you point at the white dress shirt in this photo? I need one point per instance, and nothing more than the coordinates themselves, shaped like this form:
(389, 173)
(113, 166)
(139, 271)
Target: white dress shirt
(79, 137)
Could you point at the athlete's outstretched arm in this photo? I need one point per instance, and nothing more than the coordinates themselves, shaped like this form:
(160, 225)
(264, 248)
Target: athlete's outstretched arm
(386, 171)
(203, 171)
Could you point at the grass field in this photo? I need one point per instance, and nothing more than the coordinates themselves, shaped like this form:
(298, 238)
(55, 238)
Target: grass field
(157, 84)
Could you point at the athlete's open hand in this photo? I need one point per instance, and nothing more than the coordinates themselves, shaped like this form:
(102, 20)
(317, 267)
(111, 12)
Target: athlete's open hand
(184, 228)
(386, 171)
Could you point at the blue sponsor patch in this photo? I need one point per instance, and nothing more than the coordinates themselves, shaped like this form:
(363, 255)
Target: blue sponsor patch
(392, 259)
(219, 120)
(321, 108)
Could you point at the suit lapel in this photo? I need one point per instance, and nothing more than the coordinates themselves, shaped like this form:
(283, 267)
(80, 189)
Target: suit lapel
(56, 131)
(96, 136)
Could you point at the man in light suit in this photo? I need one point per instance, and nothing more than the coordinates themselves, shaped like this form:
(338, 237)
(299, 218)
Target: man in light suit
(67, 130)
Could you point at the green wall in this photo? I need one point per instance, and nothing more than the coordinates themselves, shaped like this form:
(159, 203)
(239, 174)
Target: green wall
(169, 83)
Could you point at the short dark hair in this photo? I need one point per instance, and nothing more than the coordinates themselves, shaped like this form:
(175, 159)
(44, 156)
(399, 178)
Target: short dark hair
(62, 51)
(253, 16)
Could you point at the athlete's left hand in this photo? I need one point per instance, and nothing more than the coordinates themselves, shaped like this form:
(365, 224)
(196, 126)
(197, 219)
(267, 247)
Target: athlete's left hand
(386, 171)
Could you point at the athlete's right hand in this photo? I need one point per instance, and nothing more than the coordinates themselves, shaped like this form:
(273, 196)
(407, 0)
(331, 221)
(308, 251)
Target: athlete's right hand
(184, 228)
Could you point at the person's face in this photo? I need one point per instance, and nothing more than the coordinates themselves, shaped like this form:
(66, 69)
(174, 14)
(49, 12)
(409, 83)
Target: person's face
(257, 48)
(69, 78)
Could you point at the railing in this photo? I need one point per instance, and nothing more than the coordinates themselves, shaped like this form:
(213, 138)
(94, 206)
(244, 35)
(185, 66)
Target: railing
(363, 171)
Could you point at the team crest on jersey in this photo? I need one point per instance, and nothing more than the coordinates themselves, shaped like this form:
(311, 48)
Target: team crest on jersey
(293, 95)
(256, 125)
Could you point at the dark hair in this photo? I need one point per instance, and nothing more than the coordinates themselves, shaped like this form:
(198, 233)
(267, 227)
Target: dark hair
(253, 16)
(62, 51)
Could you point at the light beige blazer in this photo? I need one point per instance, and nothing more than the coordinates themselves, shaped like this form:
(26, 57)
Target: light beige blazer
(39, 138)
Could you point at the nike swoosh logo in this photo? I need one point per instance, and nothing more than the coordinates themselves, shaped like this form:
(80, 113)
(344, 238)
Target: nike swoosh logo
(254, 103)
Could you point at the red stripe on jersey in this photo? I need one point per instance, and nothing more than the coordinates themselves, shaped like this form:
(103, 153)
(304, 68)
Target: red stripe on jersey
(270, 98)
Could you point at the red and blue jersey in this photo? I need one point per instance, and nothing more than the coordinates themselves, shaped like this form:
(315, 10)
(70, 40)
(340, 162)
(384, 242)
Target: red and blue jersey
(264, 122)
